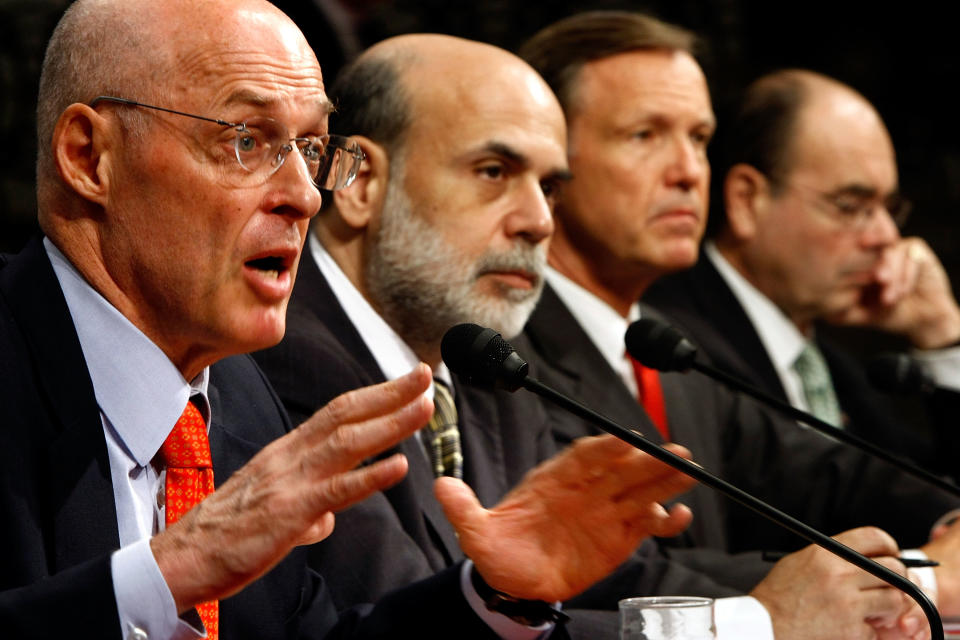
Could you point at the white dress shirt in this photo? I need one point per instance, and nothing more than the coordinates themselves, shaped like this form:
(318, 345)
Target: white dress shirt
(141, 395)
(395, 359)
(783, 343)
(736, 618)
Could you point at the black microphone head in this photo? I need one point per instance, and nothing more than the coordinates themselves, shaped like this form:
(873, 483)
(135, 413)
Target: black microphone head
(482, 357)
(659, 346)
(898, 373)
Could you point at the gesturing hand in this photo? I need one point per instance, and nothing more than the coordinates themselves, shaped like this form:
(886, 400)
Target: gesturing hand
(571, 521)
(287, 493)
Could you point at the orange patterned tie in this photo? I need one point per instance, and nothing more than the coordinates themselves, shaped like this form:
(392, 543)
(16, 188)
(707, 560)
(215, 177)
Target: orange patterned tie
(186, 453)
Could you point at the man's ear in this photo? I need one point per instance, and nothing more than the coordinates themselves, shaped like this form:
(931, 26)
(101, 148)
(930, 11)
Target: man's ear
(361, 202)
(746, 193)
(82, 152)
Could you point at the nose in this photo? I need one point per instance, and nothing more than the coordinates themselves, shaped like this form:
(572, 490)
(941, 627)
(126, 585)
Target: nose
(880, 230)
(687, 168)
(531, 213)
(295, 194)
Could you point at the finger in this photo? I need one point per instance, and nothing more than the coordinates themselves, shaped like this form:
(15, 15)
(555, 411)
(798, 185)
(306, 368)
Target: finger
(869, 541)
(900, 271)
(370, 402)
(341, 490)
(633, 494)
(881, 607)
(350, 444)
(459, 503)
(672, 522)
(865, 580)
(914, 623)
(317, 531)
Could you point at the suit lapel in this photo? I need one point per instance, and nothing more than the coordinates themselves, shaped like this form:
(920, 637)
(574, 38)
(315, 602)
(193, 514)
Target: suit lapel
(566, 349)
(318, 297)
(82, 507)
(720, 308)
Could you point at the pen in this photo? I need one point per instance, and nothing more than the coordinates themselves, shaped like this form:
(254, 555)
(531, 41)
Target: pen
(910, 563)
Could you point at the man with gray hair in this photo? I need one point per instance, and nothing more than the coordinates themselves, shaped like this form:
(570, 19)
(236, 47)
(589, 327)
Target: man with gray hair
(152, 485)
(447, 222)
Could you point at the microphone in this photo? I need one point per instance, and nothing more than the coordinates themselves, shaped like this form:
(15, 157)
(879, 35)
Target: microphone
(899, 373)
(657, 345)
(482, 355)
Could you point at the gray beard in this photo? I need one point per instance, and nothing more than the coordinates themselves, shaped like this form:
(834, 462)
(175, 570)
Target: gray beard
(422, 287)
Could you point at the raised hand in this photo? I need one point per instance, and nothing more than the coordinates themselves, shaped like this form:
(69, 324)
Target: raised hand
(287, 493)
(571, 521)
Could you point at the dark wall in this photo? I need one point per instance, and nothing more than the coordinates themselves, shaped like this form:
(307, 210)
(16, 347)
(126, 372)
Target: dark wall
(905, 62)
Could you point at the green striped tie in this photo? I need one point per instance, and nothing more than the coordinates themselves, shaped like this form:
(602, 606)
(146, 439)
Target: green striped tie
(444, 437)
(818, 385)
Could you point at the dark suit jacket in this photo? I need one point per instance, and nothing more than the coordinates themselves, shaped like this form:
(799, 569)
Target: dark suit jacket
(810, 477)
(59, 522)
(703, 306)
(401, 535)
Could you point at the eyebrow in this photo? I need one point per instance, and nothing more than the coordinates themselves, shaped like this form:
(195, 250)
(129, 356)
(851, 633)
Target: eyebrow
(513, 156)
(862, 191)
(248, 97)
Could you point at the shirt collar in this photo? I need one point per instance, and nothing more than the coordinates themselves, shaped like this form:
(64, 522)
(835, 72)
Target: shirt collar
(601, 322)
(780, 337)
(394, 357)
(138, 389)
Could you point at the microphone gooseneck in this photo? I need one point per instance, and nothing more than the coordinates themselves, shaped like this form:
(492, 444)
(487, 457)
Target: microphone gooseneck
(644, 341)
(482, 356)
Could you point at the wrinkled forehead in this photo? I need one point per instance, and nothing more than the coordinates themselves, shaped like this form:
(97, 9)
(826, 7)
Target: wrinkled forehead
(512, 105)
(247, 56)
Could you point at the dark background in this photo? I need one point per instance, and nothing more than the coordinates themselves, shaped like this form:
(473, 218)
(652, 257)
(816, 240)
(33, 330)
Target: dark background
(904, 60)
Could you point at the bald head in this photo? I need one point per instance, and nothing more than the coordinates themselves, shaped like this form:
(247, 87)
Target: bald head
(138, 49)
(786, 106)
(438, 79)
(119, 180)
(811, 197)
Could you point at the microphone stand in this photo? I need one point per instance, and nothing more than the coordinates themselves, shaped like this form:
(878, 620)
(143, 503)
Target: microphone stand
(790, 523)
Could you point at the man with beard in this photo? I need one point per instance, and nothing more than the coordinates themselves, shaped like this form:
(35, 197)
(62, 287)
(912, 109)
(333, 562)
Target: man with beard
(639, 119)
(150, 482)
(446, 223)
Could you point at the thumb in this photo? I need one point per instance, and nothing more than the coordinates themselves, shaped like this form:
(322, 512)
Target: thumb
(459, 502)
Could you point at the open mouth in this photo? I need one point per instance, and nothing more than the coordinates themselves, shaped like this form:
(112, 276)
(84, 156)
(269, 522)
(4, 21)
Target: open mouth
(269, 265)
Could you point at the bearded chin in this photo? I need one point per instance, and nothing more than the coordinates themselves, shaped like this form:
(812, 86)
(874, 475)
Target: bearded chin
(422, 286)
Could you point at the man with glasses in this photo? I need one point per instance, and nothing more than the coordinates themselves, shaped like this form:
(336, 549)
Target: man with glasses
(640, 118)
(810, 233)
(151, 484)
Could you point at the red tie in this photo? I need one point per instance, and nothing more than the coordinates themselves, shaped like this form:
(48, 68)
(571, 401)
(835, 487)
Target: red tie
(186, 453)
(651, 396)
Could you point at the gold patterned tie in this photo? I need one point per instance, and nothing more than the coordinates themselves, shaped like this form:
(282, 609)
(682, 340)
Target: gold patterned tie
(186, 454)
(444, 436)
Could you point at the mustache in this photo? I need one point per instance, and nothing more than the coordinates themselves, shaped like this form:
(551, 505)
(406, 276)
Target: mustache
(529, 259)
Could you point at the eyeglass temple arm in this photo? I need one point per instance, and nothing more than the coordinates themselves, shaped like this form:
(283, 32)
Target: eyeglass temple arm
(134, 103)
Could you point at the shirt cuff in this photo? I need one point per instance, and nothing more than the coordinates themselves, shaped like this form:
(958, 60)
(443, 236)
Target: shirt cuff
(500, 624)
(741, 617)
(942, 365)
(144, 601)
